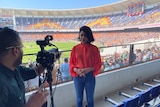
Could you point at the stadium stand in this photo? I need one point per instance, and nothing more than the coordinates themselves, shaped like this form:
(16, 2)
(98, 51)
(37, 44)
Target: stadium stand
(150, 16)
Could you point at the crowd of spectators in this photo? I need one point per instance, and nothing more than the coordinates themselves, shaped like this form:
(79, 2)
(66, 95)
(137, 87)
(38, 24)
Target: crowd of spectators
(103, 38)
(118, 60)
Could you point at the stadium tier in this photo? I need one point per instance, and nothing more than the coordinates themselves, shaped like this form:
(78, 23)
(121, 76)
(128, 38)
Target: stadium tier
(58, 23)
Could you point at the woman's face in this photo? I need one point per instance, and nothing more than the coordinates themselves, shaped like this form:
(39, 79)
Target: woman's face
(83, 37)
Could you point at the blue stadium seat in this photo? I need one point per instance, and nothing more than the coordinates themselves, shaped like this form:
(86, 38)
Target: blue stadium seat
(155, 91)
(144, 97)
(132, 102)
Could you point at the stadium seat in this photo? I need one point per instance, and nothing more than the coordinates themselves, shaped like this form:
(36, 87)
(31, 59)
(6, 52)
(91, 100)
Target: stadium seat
(155, 91)
(132, 102)
(144, 97)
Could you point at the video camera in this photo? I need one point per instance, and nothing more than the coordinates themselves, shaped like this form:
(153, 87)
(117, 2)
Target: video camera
(47, 58)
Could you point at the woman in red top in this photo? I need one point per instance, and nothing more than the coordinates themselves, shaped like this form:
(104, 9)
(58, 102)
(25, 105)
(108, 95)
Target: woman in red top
(85, 63)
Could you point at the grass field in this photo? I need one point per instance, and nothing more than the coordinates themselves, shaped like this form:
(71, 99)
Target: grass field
(31, 49)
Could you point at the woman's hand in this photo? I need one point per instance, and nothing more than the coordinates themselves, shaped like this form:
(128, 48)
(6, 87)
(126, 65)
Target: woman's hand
(84, 71)
(79, 72)
(87, 70)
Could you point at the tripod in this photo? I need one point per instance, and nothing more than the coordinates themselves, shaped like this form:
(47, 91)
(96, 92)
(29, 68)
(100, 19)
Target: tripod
(49, 79)
(46, 58)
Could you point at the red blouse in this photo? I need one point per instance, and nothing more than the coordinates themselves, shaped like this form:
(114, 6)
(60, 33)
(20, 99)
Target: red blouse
(84, 56)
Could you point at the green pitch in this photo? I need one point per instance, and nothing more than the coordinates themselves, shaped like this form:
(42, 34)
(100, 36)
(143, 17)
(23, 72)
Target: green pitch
(31, 49)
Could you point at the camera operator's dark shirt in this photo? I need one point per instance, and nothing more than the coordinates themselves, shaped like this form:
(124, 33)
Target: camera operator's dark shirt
(12, 90)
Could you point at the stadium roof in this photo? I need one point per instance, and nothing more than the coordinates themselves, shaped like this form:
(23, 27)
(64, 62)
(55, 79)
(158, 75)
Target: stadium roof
(110, 8)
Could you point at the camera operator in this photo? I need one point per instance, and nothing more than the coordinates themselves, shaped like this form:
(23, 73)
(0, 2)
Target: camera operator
(12, 74)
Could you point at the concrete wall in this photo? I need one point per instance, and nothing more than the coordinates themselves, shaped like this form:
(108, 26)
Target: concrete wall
(106, 83)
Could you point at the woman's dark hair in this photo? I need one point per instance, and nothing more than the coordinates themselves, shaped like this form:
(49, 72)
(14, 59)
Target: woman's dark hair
(8, 37)
(88, 33)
